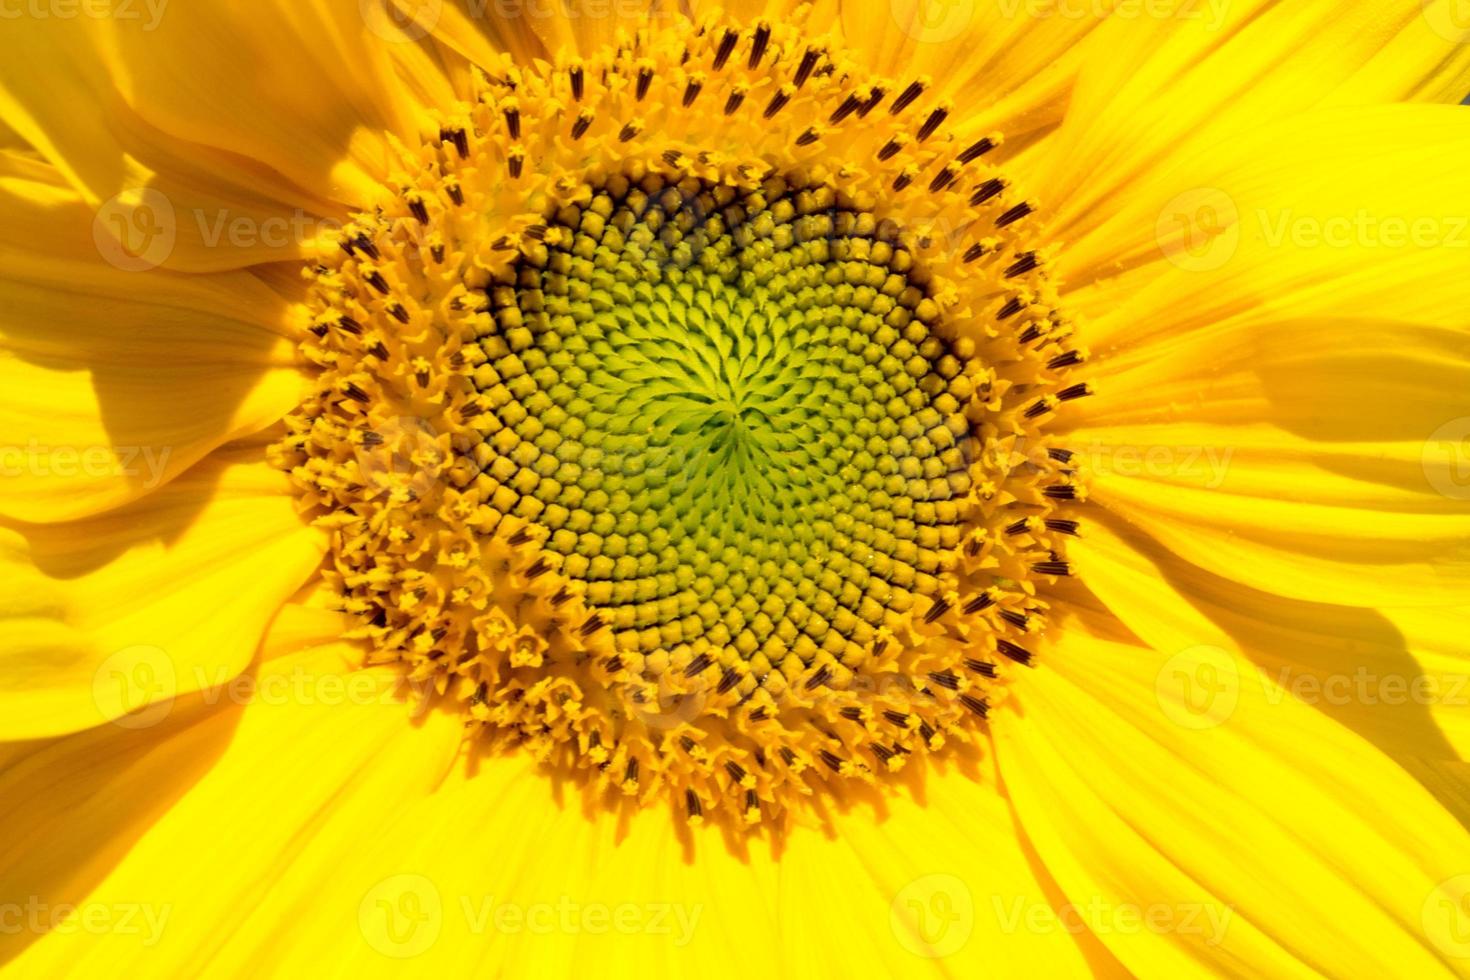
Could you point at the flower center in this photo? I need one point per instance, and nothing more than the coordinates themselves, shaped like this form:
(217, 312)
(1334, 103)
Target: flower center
(726, 408)
(679, 417)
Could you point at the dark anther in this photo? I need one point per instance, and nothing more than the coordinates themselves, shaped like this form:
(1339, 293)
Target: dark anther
(733, 102)
(977, 705)
(987, 190)
(1019, 654)
(1013, 215)
(848, 107)
(758, 44)
(808, 62)
(691, 92)
(943, 179)
(1023, 264)
(906, 98)
(1064, 360)
(935, 120)
(1051, 568)
(980, 602)
(698, 665)
(727, 45)
(981, 667)
(645, 78)
(939, 608)
(945, 679)
(778, 102)
(513, 122)
(977, 150)
(578, 82)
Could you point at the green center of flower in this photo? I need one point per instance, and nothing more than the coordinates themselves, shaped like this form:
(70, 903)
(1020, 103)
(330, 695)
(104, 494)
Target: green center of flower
(728, 409)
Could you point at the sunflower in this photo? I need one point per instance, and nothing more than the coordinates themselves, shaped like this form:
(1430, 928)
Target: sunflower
(755, 487)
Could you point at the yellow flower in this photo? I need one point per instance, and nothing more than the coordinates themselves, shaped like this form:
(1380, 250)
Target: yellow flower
(754, 488)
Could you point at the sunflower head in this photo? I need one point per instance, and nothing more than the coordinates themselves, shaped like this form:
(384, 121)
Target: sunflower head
(679, 419)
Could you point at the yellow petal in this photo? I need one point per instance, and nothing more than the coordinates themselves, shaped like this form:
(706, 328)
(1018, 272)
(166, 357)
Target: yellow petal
(1346, 523)
(1213, 825)
(356, 838)
(246, 125)
(1396, 677)
(116, 381)
(1156, 88)
(121, 613)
